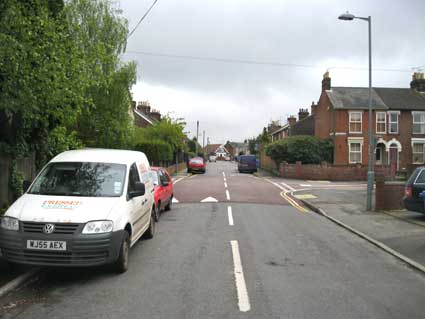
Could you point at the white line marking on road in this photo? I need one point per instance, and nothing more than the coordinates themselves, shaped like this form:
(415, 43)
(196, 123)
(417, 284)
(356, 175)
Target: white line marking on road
(243, 298)
(288, 187)
(227, 195)
(174, 200)
(230, 215)
(305, 185)
(209, 200)
(224, 175)
(177, 180)
(225, 184)
(225, 179)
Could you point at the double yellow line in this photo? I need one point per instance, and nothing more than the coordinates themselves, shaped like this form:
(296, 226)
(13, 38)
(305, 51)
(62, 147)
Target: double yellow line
(284, 195)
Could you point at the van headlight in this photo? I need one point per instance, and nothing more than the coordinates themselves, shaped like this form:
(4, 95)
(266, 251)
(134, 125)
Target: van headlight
(9, 223)
(98, 227)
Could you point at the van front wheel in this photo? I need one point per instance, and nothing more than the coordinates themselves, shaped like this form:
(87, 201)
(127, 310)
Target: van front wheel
(121, 265)
(151, 230)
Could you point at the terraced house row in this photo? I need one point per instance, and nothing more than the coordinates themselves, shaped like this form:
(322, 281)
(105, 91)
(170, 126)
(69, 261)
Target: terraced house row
(398, 123)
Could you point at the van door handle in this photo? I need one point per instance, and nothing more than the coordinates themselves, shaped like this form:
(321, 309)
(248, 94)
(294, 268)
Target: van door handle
(144, 202)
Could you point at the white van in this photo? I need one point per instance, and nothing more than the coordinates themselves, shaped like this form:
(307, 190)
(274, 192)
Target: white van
(85, 208)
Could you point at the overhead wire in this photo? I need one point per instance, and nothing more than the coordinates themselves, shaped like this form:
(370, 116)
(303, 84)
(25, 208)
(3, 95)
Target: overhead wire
(256, 62)
(142, 18)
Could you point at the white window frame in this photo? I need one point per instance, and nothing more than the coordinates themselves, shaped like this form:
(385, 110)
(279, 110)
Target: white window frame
(421, 122)
(413, 153)
(356, 122)
(357, 141)
(381, 122)
(391, 122)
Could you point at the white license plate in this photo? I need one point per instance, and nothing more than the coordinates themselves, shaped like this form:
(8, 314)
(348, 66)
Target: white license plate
(46, 244)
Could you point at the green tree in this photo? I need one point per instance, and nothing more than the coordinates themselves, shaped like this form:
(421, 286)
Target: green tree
(41, 87)
(100, 33)
(307, 149)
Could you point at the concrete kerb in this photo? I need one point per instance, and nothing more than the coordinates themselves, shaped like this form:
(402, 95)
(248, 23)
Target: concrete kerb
(18, 281)
(375, 242)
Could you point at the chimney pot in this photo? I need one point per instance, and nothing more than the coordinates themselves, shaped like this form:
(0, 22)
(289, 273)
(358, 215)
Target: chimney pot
(326, 82)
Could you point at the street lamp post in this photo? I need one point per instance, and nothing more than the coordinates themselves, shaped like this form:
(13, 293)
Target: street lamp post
(370, 171)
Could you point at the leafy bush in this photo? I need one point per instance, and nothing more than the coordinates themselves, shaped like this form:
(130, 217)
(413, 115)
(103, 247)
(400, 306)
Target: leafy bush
(156, 150)
(306, 149)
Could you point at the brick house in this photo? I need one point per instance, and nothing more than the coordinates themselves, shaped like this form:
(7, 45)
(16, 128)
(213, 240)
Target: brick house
(143, 115)
(398, 123)
(304, 126)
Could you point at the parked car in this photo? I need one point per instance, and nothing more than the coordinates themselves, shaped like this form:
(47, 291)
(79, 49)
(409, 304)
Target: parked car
(196, 164)
(213, 158)
(247, 163)
(85, 208)
(163, 190)
(415, 185)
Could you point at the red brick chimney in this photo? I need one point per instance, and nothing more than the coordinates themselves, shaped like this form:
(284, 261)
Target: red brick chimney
(302, 114)
(326, 82)
(418, 82)
(292, 120)
(313, 108)
(144, 107)
(155, 115)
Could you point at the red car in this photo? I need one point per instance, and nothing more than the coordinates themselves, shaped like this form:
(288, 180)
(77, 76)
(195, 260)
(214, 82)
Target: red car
(163, 190)
(196, 164)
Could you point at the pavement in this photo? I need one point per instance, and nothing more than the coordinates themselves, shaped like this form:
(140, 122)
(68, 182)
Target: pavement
(401, 230)
(234, 246)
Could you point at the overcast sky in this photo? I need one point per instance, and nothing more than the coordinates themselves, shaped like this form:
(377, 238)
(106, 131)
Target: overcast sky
(234, 101)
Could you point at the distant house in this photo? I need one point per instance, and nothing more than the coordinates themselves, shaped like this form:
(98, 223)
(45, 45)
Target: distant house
(218, 150)
(239, 148)
(398, 123)
(144, 116)
(304, 126)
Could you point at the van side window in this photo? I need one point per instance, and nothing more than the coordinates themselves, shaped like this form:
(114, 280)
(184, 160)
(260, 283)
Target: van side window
(133, 177)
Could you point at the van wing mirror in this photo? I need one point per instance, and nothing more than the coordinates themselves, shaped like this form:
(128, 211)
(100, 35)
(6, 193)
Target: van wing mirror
(139, 190)
(26, 185)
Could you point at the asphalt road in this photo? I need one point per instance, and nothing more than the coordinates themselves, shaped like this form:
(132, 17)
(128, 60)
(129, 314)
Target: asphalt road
(293, 264)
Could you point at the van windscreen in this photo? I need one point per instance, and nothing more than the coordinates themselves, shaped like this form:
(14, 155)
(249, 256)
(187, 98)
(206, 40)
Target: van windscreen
(80, 179)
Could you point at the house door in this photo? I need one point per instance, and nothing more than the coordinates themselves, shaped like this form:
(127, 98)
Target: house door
(393, 158)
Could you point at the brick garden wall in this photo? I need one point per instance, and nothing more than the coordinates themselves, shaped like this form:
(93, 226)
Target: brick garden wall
(322, 171)
(388, 195)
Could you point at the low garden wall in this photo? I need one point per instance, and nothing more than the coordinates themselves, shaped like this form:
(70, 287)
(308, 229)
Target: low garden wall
(388, 194)
(329, 172)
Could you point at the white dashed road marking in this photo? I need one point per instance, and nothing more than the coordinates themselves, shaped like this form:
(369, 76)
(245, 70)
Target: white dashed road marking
(225, 184)
(227, 195)
(243, 298)
(230, 215)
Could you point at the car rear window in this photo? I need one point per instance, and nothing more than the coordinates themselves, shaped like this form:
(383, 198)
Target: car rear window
(196, 161)
(421, 177)
(247, 159)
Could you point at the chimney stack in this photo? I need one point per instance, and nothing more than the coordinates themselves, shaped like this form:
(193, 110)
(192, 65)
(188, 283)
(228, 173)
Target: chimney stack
(313, 108)
(326, 82)
(292, 120)
(144, 107)
(418, 82)
(302, 114)
(155, 115)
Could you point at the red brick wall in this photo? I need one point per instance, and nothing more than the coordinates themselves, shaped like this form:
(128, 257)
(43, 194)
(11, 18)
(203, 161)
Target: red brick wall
(388, 195)
(322, 125)
(329, 172)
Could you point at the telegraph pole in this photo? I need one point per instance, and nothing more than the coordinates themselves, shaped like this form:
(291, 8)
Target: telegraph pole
(203, 140)
(197, 136)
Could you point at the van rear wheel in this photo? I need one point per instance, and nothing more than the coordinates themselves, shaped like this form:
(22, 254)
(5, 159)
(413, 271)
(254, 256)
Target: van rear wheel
(121, 265)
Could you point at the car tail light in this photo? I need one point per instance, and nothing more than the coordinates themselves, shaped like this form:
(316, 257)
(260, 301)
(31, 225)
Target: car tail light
(408, 191)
